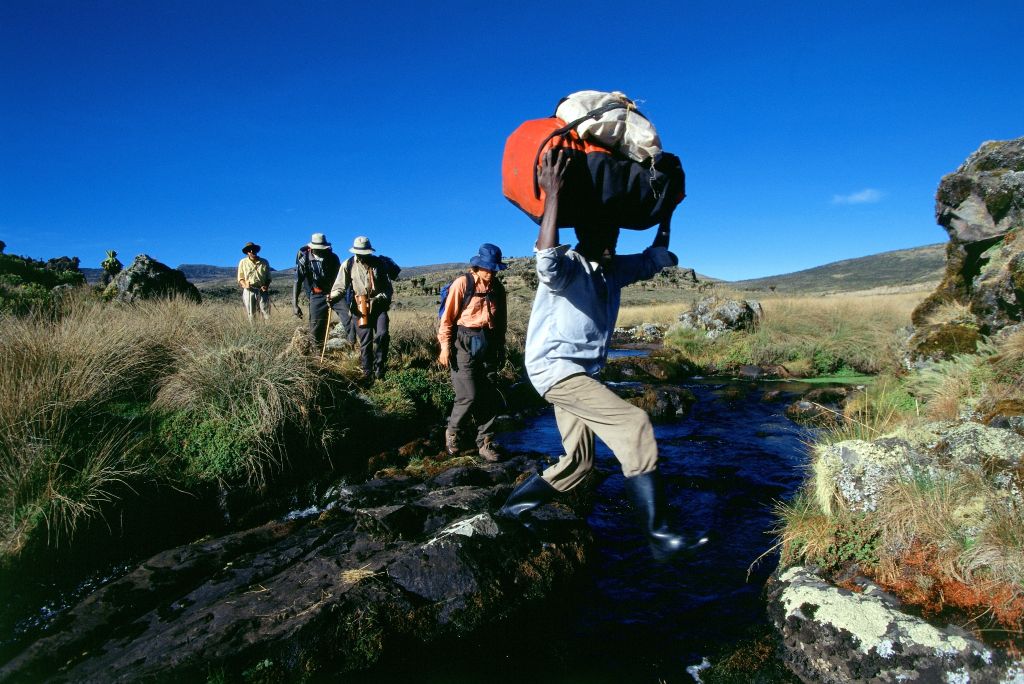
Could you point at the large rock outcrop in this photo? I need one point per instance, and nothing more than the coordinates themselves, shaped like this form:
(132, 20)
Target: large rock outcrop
(147, 278)
(388, 562)
(981, 206)
(834, 636)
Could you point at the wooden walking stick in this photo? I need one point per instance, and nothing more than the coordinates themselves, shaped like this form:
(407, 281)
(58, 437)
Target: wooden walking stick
(327, 333)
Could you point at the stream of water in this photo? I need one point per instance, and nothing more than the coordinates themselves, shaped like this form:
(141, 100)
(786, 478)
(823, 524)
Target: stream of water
(632, 619)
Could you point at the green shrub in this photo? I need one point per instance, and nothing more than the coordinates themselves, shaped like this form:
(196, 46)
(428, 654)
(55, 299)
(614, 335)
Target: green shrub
(413, 391)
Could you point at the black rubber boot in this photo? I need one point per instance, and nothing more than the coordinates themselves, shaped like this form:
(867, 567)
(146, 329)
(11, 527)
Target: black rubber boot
(648, 497)
(532, 493)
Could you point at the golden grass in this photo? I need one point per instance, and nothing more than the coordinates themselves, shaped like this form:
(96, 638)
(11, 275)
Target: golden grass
(820, 334)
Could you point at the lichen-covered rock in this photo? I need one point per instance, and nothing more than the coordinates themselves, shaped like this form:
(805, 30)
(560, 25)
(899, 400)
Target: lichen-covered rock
(147, 278)
(644, 333)
(715, 316)
(981, 206)
(316, 595)
(834, 636)
(860, 471)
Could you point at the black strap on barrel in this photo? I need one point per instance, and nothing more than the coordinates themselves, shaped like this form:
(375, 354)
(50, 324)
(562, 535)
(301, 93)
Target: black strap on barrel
(564, 130)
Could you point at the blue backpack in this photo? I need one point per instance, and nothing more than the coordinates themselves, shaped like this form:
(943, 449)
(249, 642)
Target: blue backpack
(470, 287)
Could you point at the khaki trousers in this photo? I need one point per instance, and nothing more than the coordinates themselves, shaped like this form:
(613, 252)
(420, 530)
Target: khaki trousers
(254, 299)
(584, 408)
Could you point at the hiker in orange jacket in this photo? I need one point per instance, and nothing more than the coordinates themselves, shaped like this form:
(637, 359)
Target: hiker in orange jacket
(472, 339)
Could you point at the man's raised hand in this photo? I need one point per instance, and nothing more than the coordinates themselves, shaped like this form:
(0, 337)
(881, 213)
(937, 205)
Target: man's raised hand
(551, 176)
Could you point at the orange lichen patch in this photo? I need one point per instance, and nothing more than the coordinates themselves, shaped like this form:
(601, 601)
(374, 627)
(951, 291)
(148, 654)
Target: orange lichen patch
(918, 579)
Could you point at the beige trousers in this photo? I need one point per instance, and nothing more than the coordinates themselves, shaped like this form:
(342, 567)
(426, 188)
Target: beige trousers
(583, 408)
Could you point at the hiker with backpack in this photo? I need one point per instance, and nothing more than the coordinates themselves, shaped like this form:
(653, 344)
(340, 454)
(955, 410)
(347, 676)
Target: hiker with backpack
(364, 284)
(254, 279)
(471, 333)
(316, 267)
(567, 342)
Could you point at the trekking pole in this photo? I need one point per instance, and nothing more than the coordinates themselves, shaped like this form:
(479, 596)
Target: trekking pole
(327, 333)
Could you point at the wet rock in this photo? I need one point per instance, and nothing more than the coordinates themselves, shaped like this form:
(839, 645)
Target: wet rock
(390, 561)
(772, 395)
(662, 403)
(834, 635)
(714, 316)
(147, 278)
(647, 369)
(813, 414)
(827, 395)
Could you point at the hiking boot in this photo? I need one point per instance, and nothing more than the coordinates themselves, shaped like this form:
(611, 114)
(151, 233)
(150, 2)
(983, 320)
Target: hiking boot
(489, 451)
(451, 441)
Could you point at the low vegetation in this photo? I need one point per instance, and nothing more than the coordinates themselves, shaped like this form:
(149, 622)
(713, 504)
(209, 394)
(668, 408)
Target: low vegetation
(940, 539)
(98, 398)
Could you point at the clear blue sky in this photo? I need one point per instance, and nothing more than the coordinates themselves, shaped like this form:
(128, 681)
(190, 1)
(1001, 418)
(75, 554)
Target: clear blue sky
(810, 131)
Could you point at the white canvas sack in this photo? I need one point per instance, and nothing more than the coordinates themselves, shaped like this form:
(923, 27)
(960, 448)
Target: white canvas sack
(626, 131)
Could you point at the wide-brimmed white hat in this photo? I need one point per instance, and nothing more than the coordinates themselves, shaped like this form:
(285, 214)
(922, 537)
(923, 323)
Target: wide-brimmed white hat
(319, 241)
(361, 245)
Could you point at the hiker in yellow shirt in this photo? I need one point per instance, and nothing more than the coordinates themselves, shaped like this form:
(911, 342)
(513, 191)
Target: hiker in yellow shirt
(254, 279)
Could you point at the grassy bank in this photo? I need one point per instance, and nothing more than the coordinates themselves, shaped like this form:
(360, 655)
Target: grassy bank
(942, 540)
(98, 400)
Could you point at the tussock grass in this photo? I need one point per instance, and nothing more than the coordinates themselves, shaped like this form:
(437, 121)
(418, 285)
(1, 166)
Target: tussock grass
(948, 387)
(884, 405)
(233, 399)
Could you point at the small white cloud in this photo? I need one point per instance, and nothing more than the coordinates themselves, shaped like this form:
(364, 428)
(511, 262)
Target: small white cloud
(865, 196)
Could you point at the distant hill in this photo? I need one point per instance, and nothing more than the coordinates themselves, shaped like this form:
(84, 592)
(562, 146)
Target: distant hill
(900, 267)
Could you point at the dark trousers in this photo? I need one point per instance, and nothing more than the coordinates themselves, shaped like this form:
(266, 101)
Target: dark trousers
(318, 317)
(475, 395)
(374, 340)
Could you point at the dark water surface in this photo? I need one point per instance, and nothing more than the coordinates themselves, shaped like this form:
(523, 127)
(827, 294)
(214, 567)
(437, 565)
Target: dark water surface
(635, 620)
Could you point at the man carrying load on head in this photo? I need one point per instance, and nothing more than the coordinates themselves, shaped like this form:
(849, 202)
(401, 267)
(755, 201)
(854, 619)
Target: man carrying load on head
(254, 279)
(364, 280)
(567, 341)
(472, 339)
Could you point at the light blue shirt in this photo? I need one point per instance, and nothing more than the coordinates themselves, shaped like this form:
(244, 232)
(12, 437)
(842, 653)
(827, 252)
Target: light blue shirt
(575, 310)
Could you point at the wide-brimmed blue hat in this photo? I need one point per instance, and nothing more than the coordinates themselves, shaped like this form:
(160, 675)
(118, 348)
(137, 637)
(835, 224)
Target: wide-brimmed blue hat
(489, 257)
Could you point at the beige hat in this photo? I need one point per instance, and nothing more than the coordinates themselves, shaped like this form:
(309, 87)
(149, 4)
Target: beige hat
(319, 241)
(361, 245)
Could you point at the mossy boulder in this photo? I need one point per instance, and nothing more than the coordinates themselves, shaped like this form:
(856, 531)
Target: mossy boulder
(981, 206)
(944, 340)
